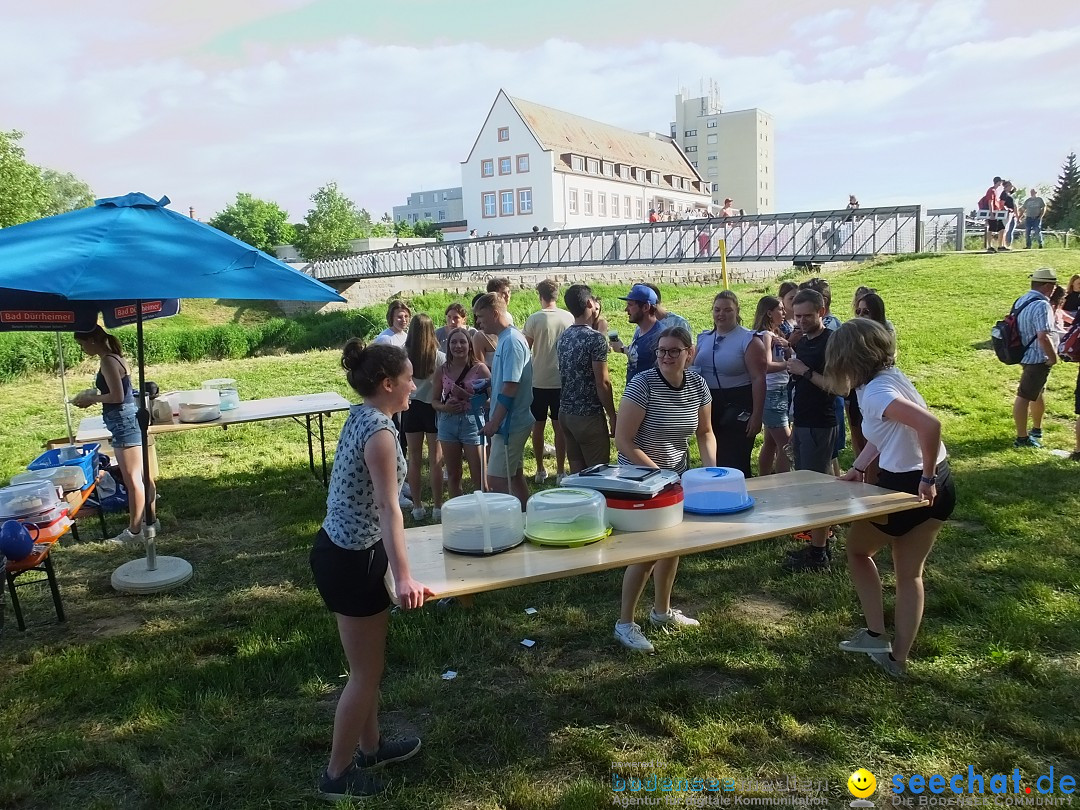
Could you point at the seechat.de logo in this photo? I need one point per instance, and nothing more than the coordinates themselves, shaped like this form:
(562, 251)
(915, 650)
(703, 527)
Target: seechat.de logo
(862, 784)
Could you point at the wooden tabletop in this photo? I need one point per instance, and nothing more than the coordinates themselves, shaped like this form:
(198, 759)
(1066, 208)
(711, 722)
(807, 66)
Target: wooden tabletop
(92, 429)
(785, 503)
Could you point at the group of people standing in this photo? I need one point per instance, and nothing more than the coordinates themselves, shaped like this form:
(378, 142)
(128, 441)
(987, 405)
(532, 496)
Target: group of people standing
(1004, 216)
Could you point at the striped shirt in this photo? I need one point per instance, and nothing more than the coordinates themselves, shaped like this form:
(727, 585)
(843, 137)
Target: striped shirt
(671, 416)
(1039, 317)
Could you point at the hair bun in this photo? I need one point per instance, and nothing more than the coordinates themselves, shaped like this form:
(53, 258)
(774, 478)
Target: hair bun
(352, 354)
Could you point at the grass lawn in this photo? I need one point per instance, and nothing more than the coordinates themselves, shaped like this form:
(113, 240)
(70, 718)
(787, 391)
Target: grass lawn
(221, 693)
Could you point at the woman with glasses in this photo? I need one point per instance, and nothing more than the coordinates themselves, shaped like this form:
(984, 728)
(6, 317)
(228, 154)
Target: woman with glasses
(872, 306)
(767, 320)
(661, 408)
(733, 365)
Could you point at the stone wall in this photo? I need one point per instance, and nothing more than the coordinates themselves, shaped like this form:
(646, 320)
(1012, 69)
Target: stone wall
(369, 291)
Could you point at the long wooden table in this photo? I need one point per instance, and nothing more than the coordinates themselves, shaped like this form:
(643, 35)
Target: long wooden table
(309, 407)
(785, 503)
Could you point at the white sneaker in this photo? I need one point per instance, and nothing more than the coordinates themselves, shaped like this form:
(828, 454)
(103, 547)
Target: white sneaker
(863, 642)
(125, 537)
(630, 635)
(541, 475)
(672, 620)
(559, 480)
(436, 514)
(404, 502)
(419, 513)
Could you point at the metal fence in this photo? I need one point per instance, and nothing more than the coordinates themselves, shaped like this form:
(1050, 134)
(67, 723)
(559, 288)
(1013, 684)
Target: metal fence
(944, 230)
(813, 236)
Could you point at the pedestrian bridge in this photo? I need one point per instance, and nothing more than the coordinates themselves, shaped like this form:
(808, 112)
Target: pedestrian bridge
(810, 237)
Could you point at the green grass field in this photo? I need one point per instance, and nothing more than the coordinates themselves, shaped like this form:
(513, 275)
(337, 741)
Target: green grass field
(221, 693)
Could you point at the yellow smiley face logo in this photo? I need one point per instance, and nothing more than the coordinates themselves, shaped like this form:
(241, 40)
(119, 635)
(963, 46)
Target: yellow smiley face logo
(861, 784)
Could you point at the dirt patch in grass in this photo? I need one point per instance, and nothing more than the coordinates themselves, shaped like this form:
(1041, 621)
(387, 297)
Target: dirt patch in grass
(967, 526)
(113, 626)
(762, 610)
(711, 682)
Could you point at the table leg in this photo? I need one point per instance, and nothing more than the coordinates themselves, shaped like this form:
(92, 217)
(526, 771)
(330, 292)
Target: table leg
(55, 588)
(15, 602)
(310, 447)
(467, 600)
(322, 446)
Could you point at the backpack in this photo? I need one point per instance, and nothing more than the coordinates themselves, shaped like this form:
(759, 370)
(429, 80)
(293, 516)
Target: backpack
(1005, 336)
(1069, 345)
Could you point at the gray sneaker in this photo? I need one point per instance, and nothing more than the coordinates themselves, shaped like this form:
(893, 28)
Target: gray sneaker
(630, 635)
(389, 751)
(863, 642)
(894, 669)
(672, 620)
(354, 783)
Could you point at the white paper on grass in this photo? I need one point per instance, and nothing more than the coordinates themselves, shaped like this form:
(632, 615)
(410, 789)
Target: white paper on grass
(527, 642)
(530, 611)
(449, 675)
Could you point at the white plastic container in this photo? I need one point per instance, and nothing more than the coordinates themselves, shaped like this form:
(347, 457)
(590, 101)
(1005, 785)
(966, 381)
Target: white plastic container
(203, 405)
(633, 514)
(68, 478)
(227, 390)
(482, 523)
(29, 499)
(715, 491)
(566, 517)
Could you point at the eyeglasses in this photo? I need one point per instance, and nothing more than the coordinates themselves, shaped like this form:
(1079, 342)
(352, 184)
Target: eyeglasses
(670, 352)
(863, 313)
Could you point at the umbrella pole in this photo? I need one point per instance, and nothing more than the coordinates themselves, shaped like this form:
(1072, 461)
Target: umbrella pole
(137, 577)
(143, 417)
(63, 387)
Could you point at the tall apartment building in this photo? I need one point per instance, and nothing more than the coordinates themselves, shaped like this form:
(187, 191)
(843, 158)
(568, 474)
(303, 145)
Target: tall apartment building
(733, 151)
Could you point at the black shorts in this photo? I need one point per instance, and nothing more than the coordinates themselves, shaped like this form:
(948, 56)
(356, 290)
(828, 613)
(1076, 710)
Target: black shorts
(900, 523)
(420, 418)
(1032, 380)
(545, 400)
(995, 225)
(350, 582)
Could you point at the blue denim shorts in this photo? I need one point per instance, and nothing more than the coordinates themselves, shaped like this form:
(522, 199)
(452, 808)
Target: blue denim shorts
(123, 425)
(458, 427)
(775, 414)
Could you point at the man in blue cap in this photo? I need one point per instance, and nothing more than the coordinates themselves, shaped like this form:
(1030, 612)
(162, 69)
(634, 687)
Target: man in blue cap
(641, 310)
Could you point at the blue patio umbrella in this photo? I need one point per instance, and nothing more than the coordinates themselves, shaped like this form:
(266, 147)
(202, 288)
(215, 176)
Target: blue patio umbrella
(133, 248)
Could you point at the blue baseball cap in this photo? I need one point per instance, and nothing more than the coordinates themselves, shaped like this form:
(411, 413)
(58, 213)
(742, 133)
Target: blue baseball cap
(640, 294)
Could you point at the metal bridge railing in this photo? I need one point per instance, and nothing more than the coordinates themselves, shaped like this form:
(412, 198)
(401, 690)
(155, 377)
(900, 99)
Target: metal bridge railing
(943, 230)
(814, 236)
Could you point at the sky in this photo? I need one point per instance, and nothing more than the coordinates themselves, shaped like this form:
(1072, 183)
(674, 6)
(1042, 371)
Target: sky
(895, 102)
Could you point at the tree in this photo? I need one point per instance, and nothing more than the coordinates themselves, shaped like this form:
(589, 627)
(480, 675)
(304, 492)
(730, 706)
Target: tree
(404, 229)
(1063, 210)
(23, 193)
(260, 223)
(65, 191)
(331, 224)
(428, 230)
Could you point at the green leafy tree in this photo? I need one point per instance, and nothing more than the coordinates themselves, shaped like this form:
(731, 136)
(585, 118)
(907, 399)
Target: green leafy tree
(428, 230)
(24, 195)
(1063, 210)
(66, 192)
(331, 224)
(260, 223)
(404, 230)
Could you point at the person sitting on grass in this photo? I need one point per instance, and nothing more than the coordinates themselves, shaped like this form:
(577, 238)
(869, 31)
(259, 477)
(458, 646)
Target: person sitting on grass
(362, 534)
(905, 438)
(661, 408)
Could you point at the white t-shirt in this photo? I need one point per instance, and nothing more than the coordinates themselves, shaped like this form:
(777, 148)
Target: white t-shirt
(898, 443)
(388, 335)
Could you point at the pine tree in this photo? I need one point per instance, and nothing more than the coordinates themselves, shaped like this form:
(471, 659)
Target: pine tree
(1063, 209)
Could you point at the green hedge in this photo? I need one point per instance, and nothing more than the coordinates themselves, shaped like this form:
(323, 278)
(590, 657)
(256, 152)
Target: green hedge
(35, 352)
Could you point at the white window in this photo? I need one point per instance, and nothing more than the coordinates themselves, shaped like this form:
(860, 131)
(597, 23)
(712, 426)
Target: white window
(504, 133)
(711, 124)
(573, 200)
(489, 203)
(711, 139)
(524, 200)
(693, 163)
(690, 133)
(506, 203)
(637, 208)
(626, 207)
(691, 149)
(614, 205)
(609, 168)
(601, 204)
(577, 163)
(588, 203)
(592, 166)
(427, 216)
(487, 169)
(712, 155)
(714, 172)
(505, 165)
(522, 164)
(442, 215)
(715, 186)
(444, 196)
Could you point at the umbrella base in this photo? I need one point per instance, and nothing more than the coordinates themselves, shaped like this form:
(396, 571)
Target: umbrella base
(135, 578)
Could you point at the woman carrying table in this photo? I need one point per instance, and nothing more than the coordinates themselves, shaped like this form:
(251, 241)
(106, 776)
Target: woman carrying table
(661, 408)
(905, 438)
(362, 535)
